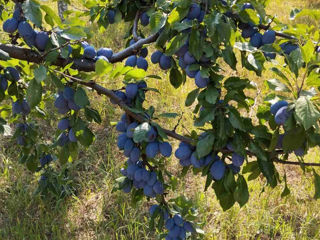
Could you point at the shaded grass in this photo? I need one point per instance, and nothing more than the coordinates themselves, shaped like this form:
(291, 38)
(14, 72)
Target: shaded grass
(95, 212)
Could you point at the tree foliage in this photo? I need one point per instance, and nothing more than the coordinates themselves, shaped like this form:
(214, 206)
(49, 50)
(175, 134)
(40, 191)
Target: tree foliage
(44, 59)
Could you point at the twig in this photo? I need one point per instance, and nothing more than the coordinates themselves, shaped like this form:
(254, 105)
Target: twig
(135, 26)
(176, 126)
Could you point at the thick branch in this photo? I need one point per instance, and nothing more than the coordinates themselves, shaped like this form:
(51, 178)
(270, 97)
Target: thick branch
(79, 64)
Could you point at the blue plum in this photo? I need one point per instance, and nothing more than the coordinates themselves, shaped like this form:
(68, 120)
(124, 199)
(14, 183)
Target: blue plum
(183, 152)
(107, 52)
(269, 37)
(122, 138)
(276, 106)
(61, 102)
(128, 146)
(218, 169)
(10, 25)
(248, 32)
(201, 82)
(131, 90)
(247, 6)
(182, 50)
(282, 115)
(130, 129)
(194, 11)
(72, 136)
(144, 19)
(121, 126)
(201, 16)
(89, 52)
(191, 73)
(64, 124)
(152, 149)
(144, 52)
(14, 73)
(3, 83)
(288, 47)
(158, 188)
(155, 57)
(256, 40)
(270, 55)
(152, 134)
(68, 93)
(182, 64)
(135, 155)
(237, 160)
(111, 14)
(165, 149)
(188, 58)
(142, 63)
(16, 107)
(131, 61)
(25, 29)
(165, 62)
(42, 40)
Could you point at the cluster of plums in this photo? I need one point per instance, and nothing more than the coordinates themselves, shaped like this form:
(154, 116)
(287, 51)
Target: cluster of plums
(68, 134)
(138, 61)
(177, 228)
(20, 107)
(164, 61)
(132, 91)
(33, 38)
(281, 114)
(142, 179)
(91, 53)
(10, 74)
(65, 101)
(257, 39)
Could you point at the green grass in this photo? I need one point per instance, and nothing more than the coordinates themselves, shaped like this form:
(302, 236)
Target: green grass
(94, 212)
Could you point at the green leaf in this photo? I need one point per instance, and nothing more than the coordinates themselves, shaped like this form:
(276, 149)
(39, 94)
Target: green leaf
(249, 15)
(268, 170)
(192, 97)
(294, 139)
(195, 46)
(140, 132)
(157, 21)
(286, 190)
(258, 151)
(86, 137)
(276, 85)
(211, 95)
(316, 185)
(32, 12)
(34, 93)
(169, 115)
(103, 67)
(81, 98)
(306, 113)
(176, 43)
(229, 57)
(92, 114)
(241, 193)
(135, 74)
(74, 33)
(205, 145)
(175, 77)
(40, 73)
(236, 120)
(51, 14)
(32, 163)
(307, 51)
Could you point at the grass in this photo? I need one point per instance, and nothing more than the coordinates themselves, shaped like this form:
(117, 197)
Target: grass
(94, 212)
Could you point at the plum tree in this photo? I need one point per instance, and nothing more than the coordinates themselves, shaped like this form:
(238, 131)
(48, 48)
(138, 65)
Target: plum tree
(44, 60)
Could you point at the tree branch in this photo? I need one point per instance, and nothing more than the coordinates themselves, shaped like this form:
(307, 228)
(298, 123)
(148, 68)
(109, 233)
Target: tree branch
(85, 65)
(135, 26)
